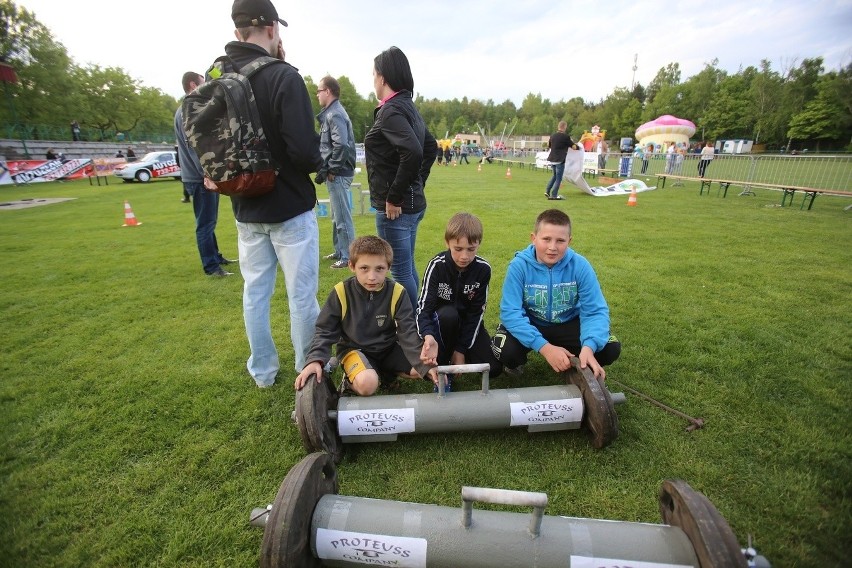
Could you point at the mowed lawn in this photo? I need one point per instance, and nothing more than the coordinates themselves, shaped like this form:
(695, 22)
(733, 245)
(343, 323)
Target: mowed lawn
(131, 434)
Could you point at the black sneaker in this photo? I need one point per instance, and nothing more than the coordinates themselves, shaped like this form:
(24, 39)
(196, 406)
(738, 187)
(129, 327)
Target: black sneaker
(332, 256)
(514, 371)
(220, 273)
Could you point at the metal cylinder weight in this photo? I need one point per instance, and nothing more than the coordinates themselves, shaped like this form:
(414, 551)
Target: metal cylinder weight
(326, 422)
(354, 531)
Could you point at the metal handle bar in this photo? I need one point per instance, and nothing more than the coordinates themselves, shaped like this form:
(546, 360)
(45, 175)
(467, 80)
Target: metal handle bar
(444, 370)
(538, 501)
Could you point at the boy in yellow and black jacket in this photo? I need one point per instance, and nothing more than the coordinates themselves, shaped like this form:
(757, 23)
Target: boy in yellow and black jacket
(370, 319)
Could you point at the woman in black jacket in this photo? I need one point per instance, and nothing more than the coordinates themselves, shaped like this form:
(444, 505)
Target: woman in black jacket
(399, 154)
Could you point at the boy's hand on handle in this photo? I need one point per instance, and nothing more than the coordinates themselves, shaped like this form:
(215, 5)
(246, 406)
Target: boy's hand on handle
(312, 368)
(587, 359)
(557, 357)
(429, 353)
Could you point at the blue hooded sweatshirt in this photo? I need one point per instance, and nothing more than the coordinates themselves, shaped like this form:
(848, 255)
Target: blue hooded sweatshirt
(537, 296)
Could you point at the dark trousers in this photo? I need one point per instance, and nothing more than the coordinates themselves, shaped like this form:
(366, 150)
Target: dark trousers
(702, 167)
(512, 353)
(449, 326)
(205, 204)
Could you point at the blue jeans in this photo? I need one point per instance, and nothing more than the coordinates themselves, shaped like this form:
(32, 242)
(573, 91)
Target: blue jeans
(294, 244)
(343, 229)
(556, 180)
(205, 204)
(401, 233)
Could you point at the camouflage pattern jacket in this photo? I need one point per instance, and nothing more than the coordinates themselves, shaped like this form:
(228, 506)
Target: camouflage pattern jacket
(288, 121)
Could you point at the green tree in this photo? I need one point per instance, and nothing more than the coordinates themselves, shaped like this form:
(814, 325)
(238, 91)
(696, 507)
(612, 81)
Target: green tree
(728, 115)
(43, 93)
(823, 117)
(764, 98)
(698, 92)
(668, 76)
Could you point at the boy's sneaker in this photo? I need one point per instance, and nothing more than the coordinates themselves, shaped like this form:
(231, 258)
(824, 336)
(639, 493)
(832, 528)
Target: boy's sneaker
(447, 387)
(515, 371)
(340, 264)
(332, 256)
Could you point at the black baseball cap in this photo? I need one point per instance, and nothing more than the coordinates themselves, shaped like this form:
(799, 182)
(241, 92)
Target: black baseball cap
(248, 13)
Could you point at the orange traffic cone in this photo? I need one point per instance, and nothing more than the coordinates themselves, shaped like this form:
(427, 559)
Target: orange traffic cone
(508, 173)
(631, 201)
(129, 217)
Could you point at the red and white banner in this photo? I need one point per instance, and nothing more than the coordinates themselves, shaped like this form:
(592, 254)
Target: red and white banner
(20, 172)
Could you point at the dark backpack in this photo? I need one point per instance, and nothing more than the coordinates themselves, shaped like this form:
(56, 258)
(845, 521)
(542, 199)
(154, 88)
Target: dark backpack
(222, 125)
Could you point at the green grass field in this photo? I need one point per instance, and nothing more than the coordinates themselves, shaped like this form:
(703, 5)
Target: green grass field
(131, 434)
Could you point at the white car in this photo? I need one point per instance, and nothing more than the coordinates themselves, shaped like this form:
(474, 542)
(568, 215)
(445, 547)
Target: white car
(151, 165)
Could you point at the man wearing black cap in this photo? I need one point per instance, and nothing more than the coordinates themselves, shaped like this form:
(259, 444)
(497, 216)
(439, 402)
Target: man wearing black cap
(279, 227)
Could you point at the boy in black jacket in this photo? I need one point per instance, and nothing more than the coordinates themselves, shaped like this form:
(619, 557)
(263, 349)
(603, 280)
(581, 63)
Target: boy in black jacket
(453, 295)
(370, 318)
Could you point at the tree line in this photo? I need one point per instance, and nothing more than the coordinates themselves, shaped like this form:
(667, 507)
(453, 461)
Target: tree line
(799, 105)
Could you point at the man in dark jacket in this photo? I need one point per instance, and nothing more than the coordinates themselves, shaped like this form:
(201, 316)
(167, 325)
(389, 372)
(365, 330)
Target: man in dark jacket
(279, 227)
(559, 144)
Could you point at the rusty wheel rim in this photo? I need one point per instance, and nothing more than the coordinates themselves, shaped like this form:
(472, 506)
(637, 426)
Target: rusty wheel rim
(287, 536)
(317, 430)
(599, 417)
(709, 533)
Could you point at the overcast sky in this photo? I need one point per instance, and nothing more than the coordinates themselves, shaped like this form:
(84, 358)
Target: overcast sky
(482, 49)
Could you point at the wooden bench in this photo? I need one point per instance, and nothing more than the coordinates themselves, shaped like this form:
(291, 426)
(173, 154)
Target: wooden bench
(810, 193)
(724, 184)
(592, 171)
(511, 163)
(786, 189)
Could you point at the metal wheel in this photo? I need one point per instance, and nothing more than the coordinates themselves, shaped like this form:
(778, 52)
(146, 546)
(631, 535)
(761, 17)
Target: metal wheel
(143, 175)
(712, 538)
(318, 431)
(599, 417)
(287, 536)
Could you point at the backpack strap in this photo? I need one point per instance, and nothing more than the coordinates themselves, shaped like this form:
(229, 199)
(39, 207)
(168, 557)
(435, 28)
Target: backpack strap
(224, 64)
(258, 64)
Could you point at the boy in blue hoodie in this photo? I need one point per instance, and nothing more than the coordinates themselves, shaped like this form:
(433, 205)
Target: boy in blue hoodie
(552, 302)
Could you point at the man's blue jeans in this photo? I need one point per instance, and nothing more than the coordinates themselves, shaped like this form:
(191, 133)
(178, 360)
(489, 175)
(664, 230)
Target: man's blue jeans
(205, 204)
(294, 244)
(556, 180)
(343, 228)
(401, 233)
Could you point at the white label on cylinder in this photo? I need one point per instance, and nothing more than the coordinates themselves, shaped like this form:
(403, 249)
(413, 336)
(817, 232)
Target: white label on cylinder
(375, 422)
(546, 412)
(588, 562)
(371, 549)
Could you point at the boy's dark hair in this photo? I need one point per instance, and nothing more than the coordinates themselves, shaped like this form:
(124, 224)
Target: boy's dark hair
(332, 85)
(370, 244)
(392, 64)
(553, 217)
(464, 225)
